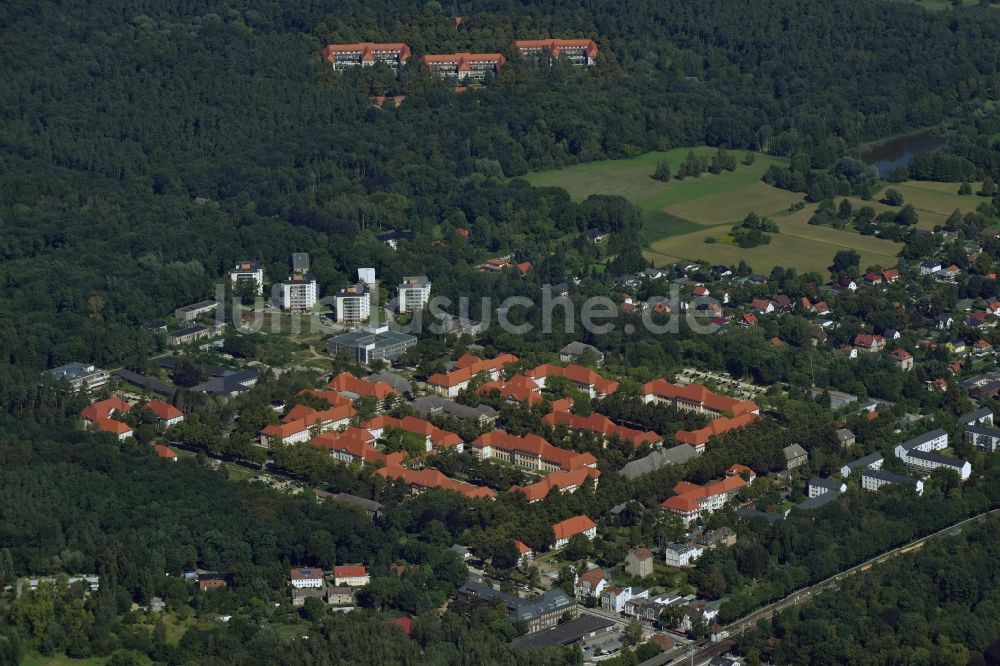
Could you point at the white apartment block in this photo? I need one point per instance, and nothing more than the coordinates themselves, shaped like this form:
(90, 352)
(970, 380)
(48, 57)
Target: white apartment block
(353, 304)
(248, 272)
(299, 292)
(414, 293)
(874, 479)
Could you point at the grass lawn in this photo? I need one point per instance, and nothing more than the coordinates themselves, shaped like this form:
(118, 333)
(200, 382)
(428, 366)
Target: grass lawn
(679, 205)
(934, 202)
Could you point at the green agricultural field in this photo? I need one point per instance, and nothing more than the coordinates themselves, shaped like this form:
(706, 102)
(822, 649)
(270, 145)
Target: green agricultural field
(679, 215)
(934, 202)
(679, 205)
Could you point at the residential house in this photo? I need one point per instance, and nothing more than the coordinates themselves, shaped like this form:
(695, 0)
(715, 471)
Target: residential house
(595, 235)
(903, 359)
(795, 455)
(845, 437)
(871, 461)
(483, 415)
(819, 486)
(871, 344)
(350, 575)
(516, 389)
(590, 584)
(682, 554)
(165, 452)
(564, 530)
(639, 562)
(930, 266)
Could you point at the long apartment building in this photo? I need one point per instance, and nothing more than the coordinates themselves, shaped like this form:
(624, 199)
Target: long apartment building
(353, 304)
(690, 500)
(576, 51)
(588, 381)
(355, 445)
(565, 481)
(434, 437)
(464, 66)
(601, 424)
(450, 384)
(530, 451)
(301, 421)
(919, 454)
(695, 398)
(424, 479)
(366, 54)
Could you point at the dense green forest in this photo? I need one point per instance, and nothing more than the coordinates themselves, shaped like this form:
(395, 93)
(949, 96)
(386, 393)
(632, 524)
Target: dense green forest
(146, 146)
(937, 606)
(116, 117)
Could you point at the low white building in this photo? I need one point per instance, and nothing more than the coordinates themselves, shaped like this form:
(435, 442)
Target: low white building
(307, 577)
(872, 461)
(414, 292)
(819, 486)
(873, 479)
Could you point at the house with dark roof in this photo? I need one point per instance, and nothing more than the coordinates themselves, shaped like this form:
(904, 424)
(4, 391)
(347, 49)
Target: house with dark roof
(871, 461)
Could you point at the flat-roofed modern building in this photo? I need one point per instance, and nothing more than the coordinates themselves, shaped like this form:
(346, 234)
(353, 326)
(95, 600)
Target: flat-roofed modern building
(414, 292)
(372, 343)
(299, 292)
(195, 310)
(353, 304)
(81, 376)
(366, 54)
(248, 273)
